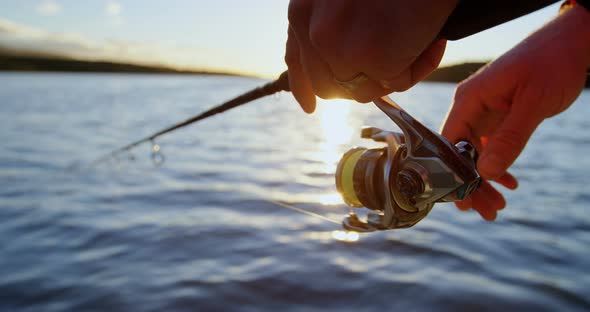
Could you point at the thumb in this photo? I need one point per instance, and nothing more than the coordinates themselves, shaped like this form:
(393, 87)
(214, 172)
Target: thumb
(424, 64)
(428, 61)
(506, 143)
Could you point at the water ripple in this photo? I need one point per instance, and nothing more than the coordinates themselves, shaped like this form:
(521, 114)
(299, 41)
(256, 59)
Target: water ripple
(203, 231)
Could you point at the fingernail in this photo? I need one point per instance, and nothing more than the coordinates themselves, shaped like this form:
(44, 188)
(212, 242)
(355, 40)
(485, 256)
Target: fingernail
(490, 166)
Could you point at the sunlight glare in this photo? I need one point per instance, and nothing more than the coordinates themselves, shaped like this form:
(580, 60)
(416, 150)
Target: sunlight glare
(330, 199)
(345, 236)
(334, 120)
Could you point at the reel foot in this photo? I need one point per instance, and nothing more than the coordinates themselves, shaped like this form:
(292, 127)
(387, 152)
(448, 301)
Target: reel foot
(353, 223)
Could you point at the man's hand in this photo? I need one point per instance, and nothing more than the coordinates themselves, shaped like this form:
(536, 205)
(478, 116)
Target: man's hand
(499, 108)
(393, 42)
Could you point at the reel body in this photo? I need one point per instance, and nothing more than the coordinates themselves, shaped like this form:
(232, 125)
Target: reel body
(401, 182)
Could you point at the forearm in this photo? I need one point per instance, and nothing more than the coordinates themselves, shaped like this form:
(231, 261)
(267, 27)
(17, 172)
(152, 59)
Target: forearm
(470, 17)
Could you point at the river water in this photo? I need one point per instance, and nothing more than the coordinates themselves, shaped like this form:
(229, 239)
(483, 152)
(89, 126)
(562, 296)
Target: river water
(205, 232)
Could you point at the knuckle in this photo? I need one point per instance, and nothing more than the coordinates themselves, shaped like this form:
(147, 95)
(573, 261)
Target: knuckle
(298, 10)
(363, 97)
(323, 93)
(291, 58)
(402, 86)
(325, 89)
(462, 93)
(461, 89)
(511, 139)
(471, 87)
(399, 84)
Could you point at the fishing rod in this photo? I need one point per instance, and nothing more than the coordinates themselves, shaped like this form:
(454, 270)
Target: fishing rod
(278, 85)
(468, 18)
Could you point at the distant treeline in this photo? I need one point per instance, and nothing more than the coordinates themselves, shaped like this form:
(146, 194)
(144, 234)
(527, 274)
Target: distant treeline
(457, 73)
(453, 73)
(34, 63)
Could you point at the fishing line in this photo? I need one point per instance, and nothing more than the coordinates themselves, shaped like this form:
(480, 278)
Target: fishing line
(301, 210)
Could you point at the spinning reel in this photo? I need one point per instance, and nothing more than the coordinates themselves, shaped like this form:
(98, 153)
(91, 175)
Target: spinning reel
(402, 181)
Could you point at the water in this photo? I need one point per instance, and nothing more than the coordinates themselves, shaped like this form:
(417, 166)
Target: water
(201, 231)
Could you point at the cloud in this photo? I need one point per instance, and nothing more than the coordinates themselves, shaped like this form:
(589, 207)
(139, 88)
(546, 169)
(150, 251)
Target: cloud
(48, 8)
(25, 38)
(9, 28)
(113, 11)
(113, 8)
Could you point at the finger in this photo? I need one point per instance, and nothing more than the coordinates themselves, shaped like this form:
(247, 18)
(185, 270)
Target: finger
(315, 68)
(495, 199)
(464, 204)
(482, 205)
(508, 181)
(487, 201)
(507, 142)
(463, 112)
(381, 82)
(470, 118)
(428, 60)
(425, 64)
(347, 58)
(366, 92)
(298, 80)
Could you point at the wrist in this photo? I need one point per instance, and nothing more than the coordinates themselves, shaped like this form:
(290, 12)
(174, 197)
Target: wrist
(575, 23)
(580, 16)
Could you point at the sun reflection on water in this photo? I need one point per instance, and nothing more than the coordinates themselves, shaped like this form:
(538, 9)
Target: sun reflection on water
(337, 130)
(345, 236)
(334, 120)
(330, 199)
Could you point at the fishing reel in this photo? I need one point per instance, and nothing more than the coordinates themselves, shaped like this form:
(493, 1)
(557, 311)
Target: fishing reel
(401, 182)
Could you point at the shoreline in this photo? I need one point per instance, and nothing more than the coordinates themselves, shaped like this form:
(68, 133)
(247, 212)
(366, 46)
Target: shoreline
(49, 64)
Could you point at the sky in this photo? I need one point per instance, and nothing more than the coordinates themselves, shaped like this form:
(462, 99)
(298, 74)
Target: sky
(226, 35)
